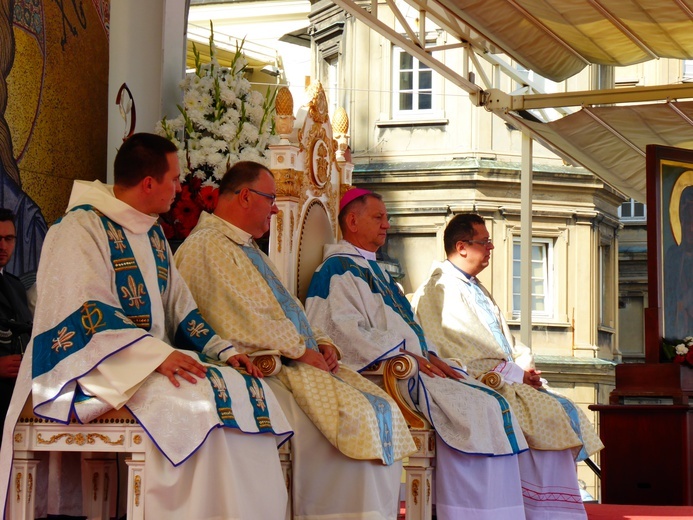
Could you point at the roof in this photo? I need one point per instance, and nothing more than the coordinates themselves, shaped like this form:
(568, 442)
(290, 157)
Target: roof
(558, 38)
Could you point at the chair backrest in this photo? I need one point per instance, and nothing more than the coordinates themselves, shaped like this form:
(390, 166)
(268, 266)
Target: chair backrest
(316, 231)
(311, 174)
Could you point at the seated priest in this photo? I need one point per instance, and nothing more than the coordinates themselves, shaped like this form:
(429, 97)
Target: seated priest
(362, 308)
(350, 436)
(116, 326)
(465, 323)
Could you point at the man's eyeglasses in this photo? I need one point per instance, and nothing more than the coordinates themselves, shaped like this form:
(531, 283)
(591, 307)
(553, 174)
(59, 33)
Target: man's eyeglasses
(484, 243)
(272, 198)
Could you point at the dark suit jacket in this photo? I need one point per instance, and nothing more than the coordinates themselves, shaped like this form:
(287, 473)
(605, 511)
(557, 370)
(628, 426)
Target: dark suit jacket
(15, 317)
(15, 329)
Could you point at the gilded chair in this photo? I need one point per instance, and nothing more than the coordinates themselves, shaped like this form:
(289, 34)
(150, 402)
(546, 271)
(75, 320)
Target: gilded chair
(312, 173)
(99, 443)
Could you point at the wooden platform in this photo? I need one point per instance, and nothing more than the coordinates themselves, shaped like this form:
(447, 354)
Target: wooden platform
(630, 512)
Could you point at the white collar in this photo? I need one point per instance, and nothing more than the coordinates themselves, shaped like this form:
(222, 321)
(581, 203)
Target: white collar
(100, 195)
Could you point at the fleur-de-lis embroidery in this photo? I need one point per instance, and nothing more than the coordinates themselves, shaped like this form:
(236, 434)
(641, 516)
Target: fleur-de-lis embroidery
(219, 385)
(123, 317)
(197, 329)
(258, 394)
(133, 292)
(158, 245)
(63, 340)
(116, 236)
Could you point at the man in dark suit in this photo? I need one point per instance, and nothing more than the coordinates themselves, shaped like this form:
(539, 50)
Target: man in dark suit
(15, 317)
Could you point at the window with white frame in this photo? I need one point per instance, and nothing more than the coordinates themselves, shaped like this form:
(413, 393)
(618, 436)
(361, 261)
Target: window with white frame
(687, 70)
(632, 210)
(412, 85)
(542, 278)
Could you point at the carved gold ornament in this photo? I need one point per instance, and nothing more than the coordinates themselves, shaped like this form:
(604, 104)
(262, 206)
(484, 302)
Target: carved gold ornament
(340, 122)
(137, 439)
(280, 229)
(137, 487)
(29, 487)
(288, 183)
(266, 364)
(18, 437)
(493, 380)
(415, 490)
(284, 102)
(320, 157)
(417, 443)
(18, 485)
(80, 439)
(317, 107)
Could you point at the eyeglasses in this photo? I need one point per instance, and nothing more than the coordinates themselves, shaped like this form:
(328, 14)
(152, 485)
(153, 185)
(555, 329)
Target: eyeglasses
(8, 238)
(272, 198)
(484, 243)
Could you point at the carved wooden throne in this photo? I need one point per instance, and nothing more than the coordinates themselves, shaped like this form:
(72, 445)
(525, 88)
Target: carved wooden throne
(312, 173)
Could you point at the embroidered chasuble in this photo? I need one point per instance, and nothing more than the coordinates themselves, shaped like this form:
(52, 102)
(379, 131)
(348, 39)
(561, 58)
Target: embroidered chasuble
(239, 291)
(362, 308)
(462, 319)
(116, 296)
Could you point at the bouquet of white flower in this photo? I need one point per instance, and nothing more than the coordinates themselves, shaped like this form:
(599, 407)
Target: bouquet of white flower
(222, 121)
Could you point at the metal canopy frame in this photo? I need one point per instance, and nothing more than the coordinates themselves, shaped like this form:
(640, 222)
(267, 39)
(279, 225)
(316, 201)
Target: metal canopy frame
(447, 16)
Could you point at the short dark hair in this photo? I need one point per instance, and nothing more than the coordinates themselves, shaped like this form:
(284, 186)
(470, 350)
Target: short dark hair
(459, 229)
(355, 205)
(142, 155)
(6, 215)
(240, 174)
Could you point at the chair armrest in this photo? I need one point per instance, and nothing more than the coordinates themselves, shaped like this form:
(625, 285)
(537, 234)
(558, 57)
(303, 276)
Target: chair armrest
(392, 370)
(268, 361)
(493, 380)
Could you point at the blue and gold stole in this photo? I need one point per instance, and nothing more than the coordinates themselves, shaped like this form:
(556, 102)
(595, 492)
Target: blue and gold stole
(295, 314)
(393, 297)
(378, 284)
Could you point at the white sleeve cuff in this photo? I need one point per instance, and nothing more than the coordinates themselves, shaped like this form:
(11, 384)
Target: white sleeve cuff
(118, 377)
(511, 372)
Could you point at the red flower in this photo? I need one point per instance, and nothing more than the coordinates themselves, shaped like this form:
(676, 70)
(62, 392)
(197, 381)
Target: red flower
(689, 356)
(186, 213)
(193, 184)
(208, 197)
(679, 359)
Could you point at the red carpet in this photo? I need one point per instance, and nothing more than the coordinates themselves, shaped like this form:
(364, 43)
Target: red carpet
(619, 512)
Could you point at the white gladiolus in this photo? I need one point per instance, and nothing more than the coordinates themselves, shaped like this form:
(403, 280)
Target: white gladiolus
(681, 349)
(222, 120)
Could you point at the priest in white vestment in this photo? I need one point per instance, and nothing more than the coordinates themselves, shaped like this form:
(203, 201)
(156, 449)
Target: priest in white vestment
(116, 326)
(361, 307)
(465, 323)
(349, 436)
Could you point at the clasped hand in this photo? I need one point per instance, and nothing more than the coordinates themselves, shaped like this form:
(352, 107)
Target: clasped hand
(326, 359)
(434, 366)
(185, 367)
(532, 378)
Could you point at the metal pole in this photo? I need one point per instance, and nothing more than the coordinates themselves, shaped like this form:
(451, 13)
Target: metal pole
(526, 241)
